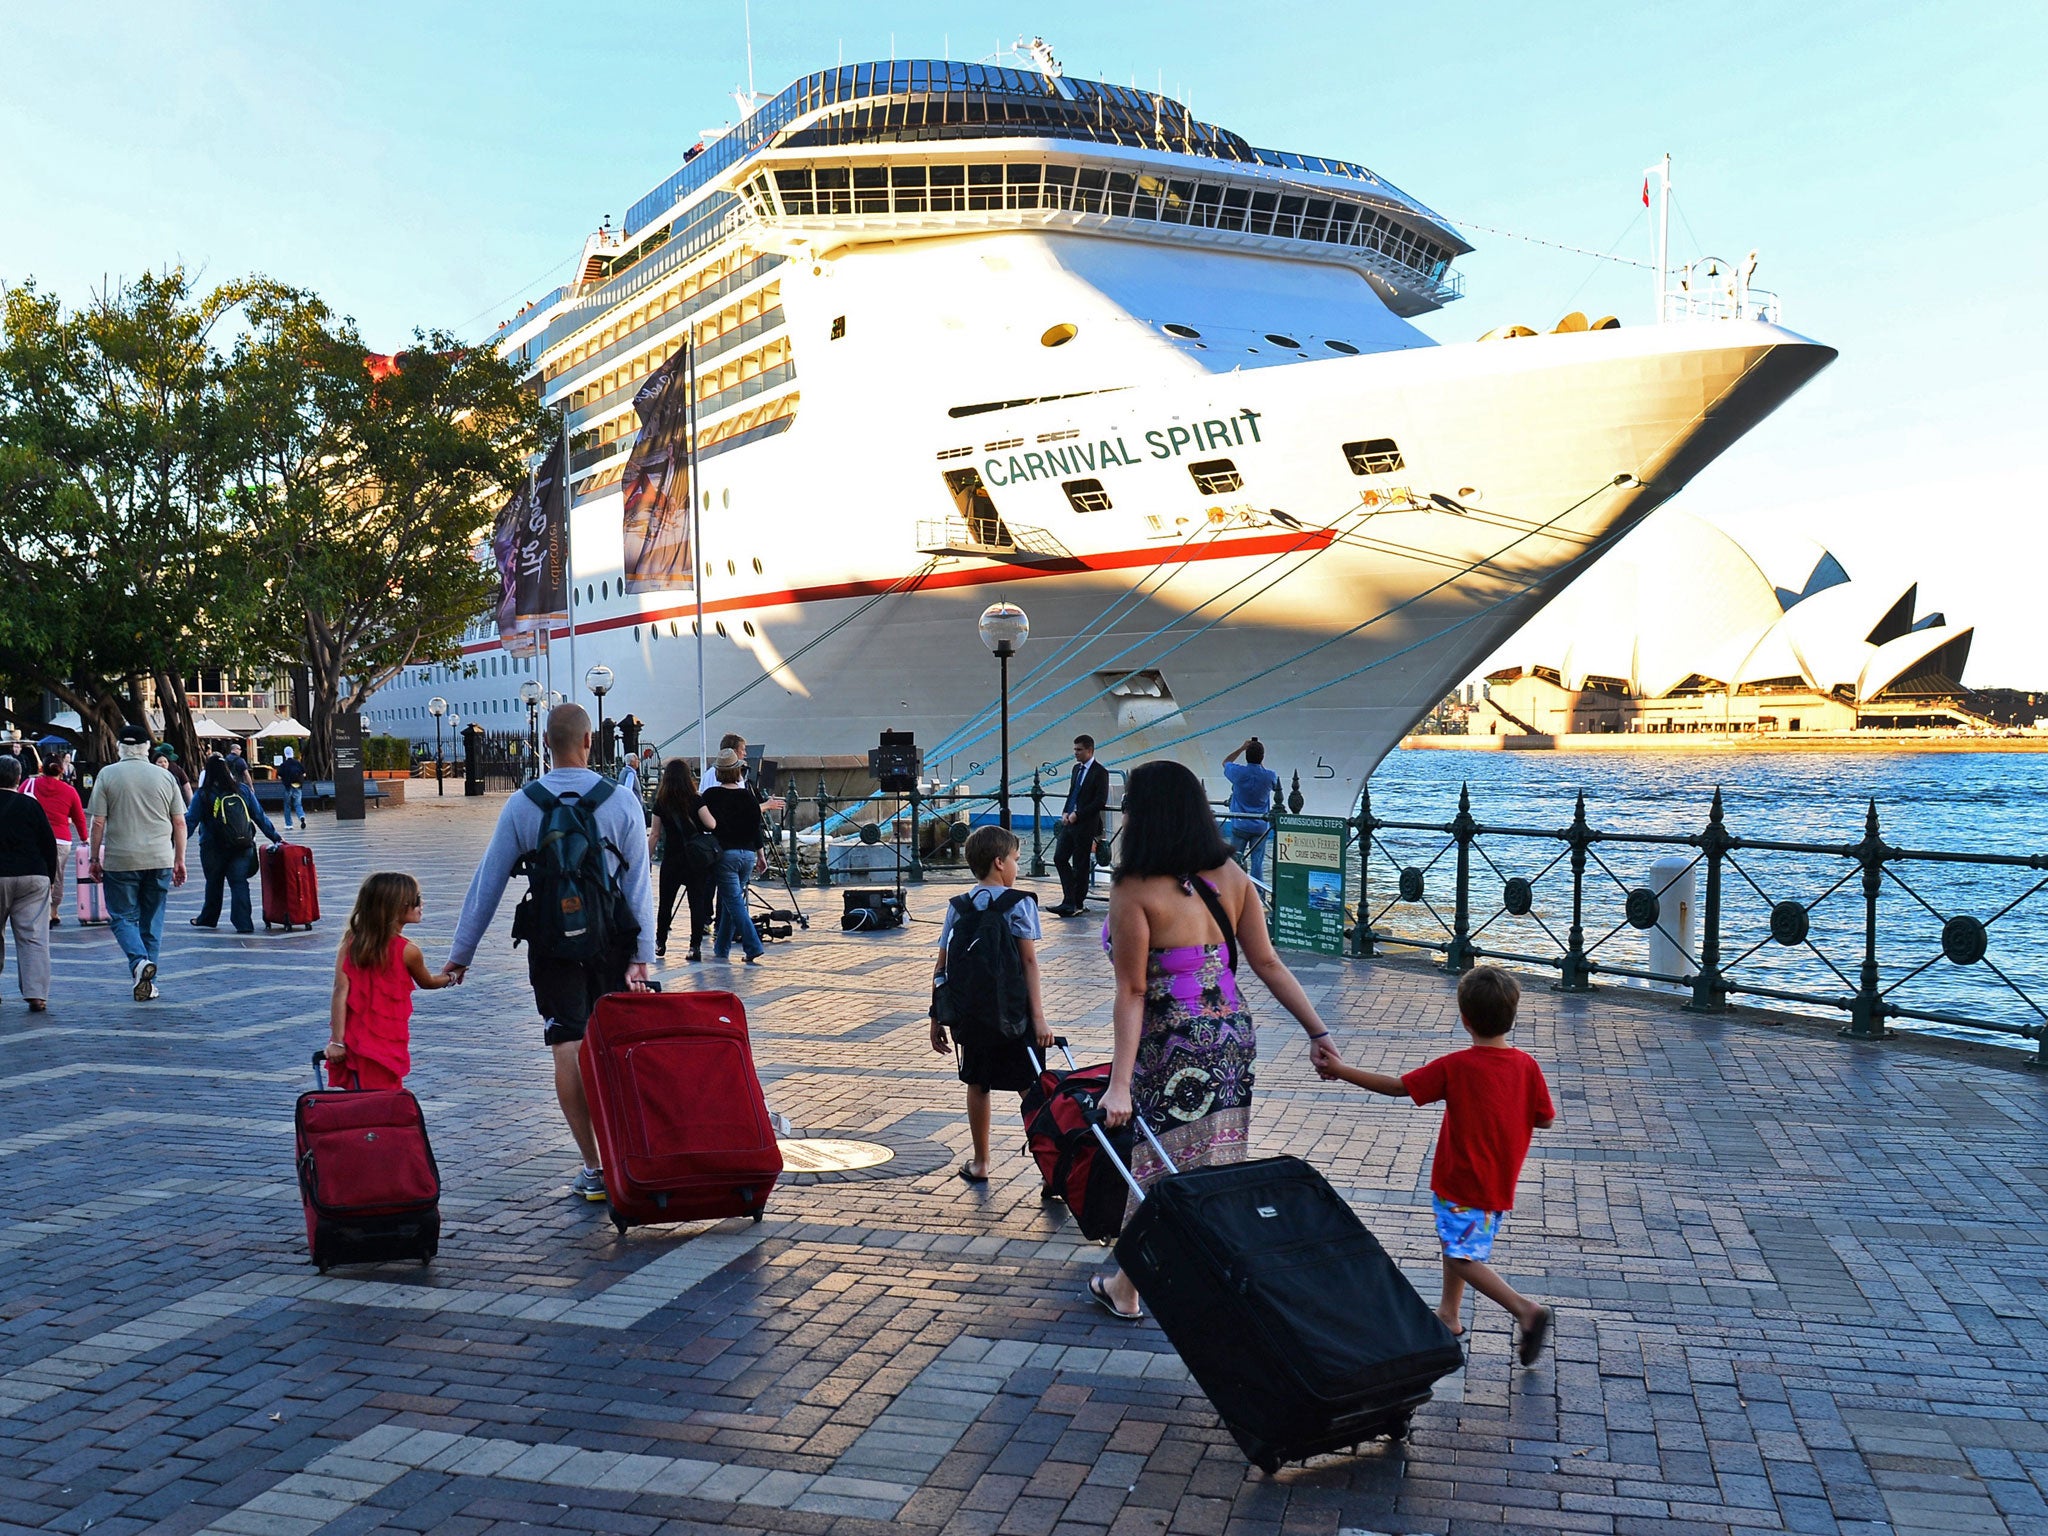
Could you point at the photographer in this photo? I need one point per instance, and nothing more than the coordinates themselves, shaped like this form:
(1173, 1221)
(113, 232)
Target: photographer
(1252, 788)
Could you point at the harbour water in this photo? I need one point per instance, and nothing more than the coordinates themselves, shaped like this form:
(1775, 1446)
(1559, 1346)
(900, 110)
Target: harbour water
(1953, 802)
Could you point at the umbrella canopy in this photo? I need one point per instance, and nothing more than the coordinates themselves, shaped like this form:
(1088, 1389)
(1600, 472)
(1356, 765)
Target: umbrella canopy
(284, 725)
(208, 729)
(66, 720)
(48, 744)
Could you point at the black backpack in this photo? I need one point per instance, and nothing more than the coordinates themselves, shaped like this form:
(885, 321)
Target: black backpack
(231, 820)
(984, 988)
(573, 908)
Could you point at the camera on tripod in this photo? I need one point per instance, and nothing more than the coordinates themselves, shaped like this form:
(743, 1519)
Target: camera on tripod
(897, 762)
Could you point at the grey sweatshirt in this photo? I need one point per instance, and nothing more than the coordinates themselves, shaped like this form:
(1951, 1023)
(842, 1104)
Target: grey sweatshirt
(623, 826)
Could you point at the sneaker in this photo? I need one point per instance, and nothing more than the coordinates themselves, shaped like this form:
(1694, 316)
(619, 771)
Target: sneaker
(589, 1183)
(145, 981)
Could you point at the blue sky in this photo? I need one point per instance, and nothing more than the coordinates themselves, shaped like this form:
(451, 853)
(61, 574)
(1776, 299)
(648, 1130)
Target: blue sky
(430, 164)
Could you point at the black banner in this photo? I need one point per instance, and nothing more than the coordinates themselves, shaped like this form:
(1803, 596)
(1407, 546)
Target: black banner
(541, 545)
(657, 485)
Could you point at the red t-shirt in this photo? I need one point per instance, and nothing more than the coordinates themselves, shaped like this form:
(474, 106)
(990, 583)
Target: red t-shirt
(1493, 1096)
(60, 804)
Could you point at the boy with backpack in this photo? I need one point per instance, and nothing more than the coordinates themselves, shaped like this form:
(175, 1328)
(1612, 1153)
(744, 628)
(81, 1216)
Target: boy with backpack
(588, 915)
(985, 987)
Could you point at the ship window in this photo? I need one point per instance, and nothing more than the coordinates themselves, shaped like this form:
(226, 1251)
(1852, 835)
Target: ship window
(721, 626)
(871, 189)
(984, 186)
(909, 183)
(1342, 346)
(757, 565)
(1213, 477)
(1283, 341)
(1376, 456)
(839, 327)
(947, 182)
(1059, 335)
(1086, 495)
(1186, 332)
(978, 508)
(747, 625)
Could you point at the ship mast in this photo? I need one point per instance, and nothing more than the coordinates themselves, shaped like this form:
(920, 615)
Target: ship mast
(1661, 236)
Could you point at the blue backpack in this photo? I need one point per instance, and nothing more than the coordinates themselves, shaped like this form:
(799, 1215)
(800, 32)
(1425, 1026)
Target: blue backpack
(573, 908)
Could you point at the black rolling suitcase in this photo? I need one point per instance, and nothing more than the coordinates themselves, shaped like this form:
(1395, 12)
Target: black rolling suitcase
(1286, 1310)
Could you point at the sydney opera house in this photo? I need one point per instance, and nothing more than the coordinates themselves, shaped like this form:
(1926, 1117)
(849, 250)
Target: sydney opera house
(1683, 628)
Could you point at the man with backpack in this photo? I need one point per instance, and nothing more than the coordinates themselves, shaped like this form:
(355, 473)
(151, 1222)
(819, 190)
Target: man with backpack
(227, 818)
(587, 918)
(985, 986)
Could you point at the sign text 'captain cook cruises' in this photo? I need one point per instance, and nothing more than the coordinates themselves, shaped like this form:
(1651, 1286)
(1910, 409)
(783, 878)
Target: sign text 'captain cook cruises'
(1103, 453)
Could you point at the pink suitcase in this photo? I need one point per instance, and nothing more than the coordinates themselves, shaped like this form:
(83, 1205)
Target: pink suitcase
(92, 895)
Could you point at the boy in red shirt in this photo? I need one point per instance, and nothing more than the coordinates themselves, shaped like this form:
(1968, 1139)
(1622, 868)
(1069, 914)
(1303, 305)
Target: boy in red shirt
(1494, 1096)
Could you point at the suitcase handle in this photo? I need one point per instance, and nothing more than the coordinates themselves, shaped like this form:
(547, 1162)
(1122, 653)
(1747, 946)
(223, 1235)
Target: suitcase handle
(323, 1074)
(1038, 1066)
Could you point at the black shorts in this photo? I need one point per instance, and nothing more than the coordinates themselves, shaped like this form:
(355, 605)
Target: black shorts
(566, 991)
(990, 1062)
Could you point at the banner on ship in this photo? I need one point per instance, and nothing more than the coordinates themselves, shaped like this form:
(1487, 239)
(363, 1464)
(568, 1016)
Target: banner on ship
(515, 637)
(540, 552)
(657, 485)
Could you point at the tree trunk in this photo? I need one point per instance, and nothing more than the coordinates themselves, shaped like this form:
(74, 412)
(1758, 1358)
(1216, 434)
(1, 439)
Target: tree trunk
(178, 730)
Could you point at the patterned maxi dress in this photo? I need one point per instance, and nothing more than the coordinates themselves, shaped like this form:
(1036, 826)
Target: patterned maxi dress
(1196, 1062)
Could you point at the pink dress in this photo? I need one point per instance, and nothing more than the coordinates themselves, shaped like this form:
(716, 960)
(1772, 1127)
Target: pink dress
(378, 1027)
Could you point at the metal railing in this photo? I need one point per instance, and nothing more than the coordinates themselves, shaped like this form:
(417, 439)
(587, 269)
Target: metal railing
(1876, 924)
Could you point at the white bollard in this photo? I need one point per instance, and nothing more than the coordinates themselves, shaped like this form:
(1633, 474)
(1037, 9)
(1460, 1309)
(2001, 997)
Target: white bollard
(1672, 942)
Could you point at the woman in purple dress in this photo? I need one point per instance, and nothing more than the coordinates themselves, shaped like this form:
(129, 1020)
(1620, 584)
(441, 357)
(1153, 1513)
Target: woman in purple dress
(1186, 1050)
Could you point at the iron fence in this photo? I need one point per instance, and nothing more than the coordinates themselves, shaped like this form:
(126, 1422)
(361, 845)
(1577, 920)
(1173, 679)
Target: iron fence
(1865, 927)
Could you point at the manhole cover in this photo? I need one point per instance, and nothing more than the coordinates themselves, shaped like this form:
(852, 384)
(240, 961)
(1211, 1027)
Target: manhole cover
(822, 1154)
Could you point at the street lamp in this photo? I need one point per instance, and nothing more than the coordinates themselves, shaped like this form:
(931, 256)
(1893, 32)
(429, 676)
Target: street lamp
(1004, 629)
(599, 681)
(437, 707)
(530, 694)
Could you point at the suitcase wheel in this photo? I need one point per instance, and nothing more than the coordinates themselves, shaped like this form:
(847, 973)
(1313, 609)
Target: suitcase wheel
(757, 1218)
(1267, 1463)
(1047, 1194)
(617, 1222)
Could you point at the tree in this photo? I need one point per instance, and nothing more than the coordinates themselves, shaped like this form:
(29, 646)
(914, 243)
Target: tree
(372, 483)
(116, 451)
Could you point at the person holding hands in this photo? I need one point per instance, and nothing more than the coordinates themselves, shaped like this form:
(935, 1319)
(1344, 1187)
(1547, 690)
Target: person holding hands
(1494, 1096)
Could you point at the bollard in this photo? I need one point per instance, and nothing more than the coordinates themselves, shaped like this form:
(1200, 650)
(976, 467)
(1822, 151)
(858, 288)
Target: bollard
(1575, 974)
(1037, 825)
(1458, 956)
(1867, 1008)
(1361, 931)
(1671, 942)
(1709, 995)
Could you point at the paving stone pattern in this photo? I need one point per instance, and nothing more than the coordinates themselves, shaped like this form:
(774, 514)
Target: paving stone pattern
(1802, 1283)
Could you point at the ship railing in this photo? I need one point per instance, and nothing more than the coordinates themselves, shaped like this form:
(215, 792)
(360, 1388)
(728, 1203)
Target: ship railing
(1723, 304)
(1862, 927)
(991, 538)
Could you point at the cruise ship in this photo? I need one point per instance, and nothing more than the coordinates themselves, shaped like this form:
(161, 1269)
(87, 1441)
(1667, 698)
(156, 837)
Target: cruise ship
(963, 333)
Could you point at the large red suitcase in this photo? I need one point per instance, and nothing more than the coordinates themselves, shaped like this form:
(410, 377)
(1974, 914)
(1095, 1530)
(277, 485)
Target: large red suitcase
(291, 893)
(367, 1176)
(681, 1124)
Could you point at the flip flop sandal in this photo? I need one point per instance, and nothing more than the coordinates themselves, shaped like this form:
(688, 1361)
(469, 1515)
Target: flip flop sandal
(972, 1178)
(1099, 1294)
(1534, 1338)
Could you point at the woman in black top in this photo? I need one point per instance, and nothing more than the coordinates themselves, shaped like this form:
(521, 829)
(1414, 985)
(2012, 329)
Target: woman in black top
(679, 818)
(738, 815)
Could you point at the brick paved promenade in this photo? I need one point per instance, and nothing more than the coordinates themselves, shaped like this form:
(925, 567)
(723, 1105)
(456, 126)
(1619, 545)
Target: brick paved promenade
(1802, 1284)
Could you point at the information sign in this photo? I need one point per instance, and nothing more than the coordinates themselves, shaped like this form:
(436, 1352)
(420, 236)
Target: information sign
(349, 804)
(1308, 884)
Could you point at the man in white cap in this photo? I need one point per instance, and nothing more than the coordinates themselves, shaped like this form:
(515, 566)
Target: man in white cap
(138, 850)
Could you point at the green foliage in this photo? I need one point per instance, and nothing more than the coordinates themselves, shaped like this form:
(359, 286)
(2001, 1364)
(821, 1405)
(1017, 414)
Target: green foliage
(387, 754)
(171, 502)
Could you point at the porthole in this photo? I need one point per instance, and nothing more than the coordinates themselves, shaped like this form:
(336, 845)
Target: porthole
(1283, 341)
(732, 568)
(721, 626)
(757, 565)
(673, 632)
(1216, 477)
(748, 626)
(636, 634)
(707, 501)
(589, 594)
(1187, 332)
(1342, 346)
(1059, 335)
(725, 497)
(605, 590)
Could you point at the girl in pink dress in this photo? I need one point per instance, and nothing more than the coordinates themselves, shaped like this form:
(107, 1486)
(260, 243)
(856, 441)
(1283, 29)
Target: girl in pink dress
(374, 976)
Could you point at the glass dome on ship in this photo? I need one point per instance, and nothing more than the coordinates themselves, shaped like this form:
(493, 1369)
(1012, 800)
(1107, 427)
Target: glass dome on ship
(929, 334)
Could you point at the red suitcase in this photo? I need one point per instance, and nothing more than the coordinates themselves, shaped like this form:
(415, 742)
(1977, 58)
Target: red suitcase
(1059, 1135)
(367, 1176)
(681, 1124)
(291, 894)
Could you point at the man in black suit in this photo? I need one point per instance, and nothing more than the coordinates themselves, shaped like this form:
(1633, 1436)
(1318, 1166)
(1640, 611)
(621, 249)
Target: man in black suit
(1080, 826)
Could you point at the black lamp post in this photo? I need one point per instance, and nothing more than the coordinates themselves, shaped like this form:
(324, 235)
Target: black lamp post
(530, 694)
(599, 681)
(1004, 629)
(437, 707)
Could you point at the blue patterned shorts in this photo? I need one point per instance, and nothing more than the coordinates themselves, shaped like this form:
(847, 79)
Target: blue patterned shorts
(1464, 1232)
